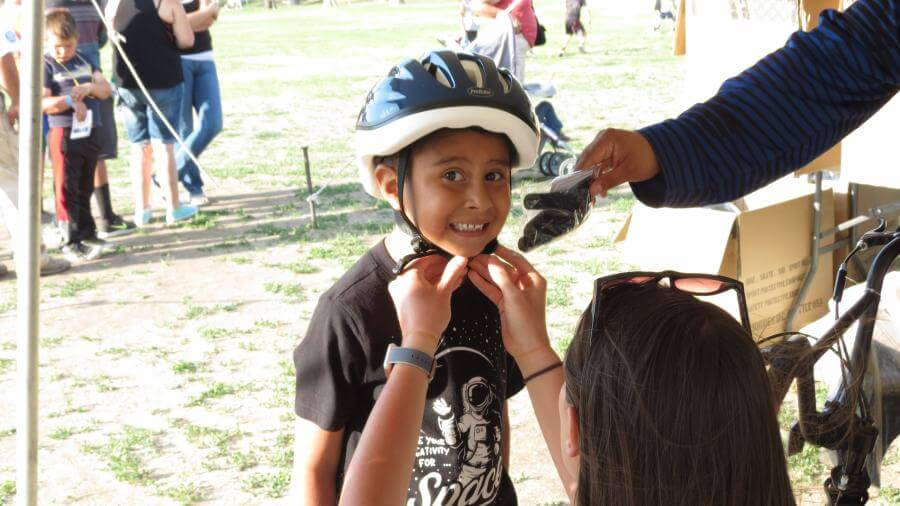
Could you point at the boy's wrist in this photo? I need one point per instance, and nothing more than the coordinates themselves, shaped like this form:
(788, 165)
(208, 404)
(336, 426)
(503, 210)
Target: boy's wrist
(421, 341)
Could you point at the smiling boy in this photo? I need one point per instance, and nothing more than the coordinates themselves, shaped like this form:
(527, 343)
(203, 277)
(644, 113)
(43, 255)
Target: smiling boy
(437, 139)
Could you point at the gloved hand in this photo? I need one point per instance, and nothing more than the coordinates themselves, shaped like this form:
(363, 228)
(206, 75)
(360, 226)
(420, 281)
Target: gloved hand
(560, 213)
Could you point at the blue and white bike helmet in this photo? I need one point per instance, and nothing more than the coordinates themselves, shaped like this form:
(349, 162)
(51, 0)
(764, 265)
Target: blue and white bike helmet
(443, 89)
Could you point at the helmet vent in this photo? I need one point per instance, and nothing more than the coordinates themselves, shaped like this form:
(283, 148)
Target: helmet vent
(440, 75)
(473, 71)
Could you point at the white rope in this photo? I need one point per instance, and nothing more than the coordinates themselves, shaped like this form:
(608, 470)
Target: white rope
(114, 38)
(314, 198)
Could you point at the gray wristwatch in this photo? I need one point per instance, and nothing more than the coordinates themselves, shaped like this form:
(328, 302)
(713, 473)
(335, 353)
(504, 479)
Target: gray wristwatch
(411, 356)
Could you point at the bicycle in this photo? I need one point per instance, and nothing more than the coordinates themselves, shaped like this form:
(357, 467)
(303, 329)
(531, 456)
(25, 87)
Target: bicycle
(852, 420)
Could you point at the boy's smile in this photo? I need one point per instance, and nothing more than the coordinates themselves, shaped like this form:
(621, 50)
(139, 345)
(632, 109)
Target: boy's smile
(458, 189)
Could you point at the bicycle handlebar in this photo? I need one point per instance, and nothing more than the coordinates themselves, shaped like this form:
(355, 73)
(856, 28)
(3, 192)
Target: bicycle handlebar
(838, 426)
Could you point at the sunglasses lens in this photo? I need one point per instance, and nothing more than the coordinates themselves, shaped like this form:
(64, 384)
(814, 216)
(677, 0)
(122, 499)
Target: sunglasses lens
(699, 286)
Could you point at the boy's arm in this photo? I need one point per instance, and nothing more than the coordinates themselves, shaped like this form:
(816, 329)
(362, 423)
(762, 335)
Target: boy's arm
(100, 86)
(53, 105)
(383, 462)
(317, 453)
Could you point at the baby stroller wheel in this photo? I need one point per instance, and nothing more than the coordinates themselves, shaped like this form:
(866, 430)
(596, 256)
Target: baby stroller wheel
(556, 161)
(543, 163)
(567, 166)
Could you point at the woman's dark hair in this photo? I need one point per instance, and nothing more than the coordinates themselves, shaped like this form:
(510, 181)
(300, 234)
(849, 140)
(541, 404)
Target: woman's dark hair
(674, 405)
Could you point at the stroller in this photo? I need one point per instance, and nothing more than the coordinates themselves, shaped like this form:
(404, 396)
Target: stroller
(560, 158)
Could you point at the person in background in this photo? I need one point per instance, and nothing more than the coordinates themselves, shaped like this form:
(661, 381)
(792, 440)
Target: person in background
(90, 33)
(73, 87)
(201, 94)
(573, 24)
(154, 31)
(9, 155)
(524, 22)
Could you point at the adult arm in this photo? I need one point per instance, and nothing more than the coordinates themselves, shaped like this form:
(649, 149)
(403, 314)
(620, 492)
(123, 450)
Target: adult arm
(9, 74)
(204, 17)
(771, 119)
(390, 437)
(519, 292)
(173, 12)
(317, 454)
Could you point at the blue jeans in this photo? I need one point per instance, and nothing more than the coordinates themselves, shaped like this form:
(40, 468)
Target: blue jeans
(141, 121)
(201, 92)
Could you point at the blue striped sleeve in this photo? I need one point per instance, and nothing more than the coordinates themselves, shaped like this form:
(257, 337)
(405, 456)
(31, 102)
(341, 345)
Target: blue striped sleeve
(781, 113)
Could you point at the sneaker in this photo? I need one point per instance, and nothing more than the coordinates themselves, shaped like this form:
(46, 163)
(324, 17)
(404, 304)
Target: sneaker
(79, 252)
(199, 200)
(3, 271)
(184, 212)
(96, 242)
(53, 265)
(115, 227)
(142, 218)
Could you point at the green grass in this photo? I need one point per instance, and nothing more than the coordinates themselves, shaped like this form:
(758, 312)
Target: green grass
(271, 485)
(184, 493)
(7, 364)
(216, 391)
(122, 454)
(185, 367)
(292, 292)
(7, 490)
(73, 287)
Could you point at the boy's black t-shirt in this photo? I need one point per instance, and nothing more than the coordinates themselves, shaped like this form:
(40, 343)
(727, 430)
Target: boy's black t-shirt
(340, 375)
(61, 77)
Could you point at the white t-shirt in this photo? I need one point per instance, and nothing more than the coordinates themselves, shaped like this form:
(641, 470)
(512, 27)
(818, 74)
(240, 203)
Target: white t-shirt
(9, 41)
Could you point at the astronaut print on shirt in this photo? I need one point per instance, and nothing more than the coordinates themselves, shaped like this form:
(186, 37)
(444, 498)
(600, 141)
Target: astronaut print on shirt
(458, 459)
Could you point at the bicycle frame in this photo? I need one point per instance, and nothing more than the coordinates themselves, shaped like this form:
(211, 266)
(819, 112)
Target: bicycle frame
(844, 423)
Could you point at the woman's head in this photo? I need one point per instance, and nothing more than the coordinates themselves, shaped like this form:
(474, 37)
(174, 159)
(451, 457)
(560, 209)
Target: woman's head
(672, 405)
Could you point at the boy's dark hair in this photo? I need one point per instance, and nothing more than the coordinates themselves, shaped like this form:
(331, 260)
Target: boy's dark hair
(674, 405)
(60, 22)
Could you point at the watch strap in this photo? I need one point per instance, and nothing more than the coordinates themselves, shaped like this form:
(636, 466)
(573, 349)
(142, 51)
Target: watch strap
(397, 355)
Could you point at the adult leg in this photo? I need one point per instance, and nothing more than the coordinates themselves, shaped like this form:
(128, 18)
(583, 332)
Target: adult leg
(204, 95)
(522, 48)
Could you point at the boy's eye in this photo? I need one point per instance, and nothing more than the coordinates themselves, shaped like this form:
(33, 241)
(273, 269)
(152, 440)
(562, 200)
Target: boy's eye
(495, 176)
(453, 175)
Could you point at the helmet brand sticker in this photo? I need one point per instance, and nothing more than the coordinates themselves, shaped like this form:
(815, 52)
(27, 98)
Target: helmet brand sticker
(480, 92)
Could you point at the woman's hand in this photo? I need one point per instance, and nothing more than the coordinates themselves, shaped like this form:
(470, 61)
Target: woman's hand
(616, 157)
(421, 296)
(519, 292)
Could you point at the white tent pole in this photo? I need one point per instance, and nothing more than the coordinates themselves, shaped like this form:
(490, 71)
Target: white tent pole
(28, 252)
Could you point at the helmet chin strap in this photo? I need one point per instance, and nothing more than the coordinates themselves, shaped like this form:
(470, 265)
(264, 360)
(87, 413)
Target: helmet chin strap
(421, 246)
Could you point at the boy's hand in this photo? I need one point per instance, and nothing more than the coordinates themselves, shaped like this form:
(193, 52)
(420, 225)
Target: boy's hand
(80, 110)
(80, 92)
(422, 298)
(519, 292)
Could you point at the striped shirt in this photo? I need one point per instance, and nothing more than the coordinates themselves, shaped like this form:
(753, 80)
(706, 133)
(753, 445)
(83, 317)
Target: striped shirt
(780, 114)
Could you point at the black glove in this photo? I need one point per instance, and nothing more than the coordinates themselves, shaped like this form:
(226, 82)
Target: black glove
(560, 213)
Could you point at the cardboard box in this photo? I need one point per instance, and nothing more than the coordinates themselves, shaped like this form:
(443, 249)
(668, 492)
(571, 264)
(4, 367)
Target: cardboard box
(868, 196)
(761, 240)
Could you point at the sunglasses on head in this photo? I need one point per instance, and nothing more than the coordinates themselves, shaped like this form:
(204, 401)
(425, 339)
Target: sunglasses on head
(701, 286)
